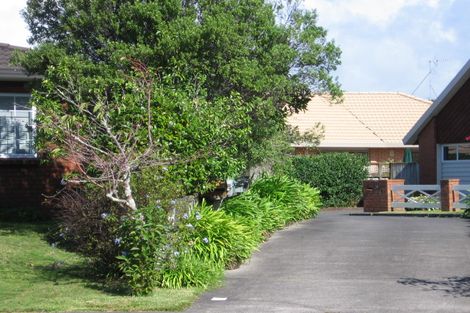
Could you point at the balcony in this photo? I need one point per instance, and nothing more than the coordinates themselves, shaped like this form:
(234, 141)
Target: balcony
(17, 127)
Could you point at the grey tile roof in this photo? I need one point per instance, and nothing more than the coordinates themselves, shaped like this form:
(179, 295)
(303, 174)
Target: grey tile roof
(7, 70)
(6, 51)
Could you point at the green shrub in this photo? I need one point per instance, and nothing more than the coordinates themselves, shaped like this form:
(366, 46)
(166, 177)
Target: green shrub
(203, 243)
(466, 213)
(188, 270)
(338, 176)
(142, 245)
(297, 200)
(261, 214)
(218, 236)
(274, 201)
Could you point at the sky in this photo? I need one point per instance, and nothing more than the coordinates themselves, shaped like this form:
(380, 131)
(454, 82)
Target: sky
(387, 45)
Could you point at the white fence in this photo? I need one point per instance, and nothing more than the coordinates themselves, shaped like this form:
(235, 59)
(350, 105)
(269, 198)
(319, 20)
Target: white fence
(428, 196)
(463, 192)
(416, 196)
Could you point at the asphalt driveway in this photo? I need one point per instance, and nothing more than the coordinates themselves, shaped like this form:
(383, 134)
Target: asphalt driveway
(339, 263)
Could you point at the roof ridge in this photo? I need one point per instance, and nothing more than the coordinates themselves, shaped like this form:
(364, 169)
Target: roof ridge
(398, 93)
(404, 94)
(7, 45)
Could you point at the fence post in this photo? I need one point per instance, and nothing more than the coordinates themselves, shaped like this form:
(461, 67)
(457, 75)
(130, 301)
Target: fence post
(448, 195)
(378, 196)
(395, 196)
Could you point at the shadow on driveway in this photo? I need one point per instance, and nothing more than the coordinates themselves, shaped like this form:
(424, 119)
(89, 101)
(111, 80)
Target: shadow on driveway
(453, 286)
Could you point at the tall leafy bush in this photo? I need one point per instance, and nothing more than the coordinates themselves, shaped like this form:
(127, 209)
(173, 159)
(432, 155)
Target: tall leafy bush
(338, 176)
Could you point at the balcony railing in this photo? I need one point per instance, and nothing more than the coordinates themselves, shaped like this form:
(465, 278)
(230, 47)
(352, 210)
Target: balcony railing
(17, 133)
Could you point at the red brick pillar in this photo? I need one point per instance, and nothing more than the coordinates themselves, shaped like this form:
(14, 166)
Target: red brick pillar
(378, 195)
(448, 195)
(395, 196)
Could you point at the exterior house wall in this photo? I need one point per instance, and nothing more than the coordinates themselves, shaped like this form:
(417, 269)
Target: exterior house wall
(25, 183)
(383, 155)
(15, 87)
(428, 154)
(453, 123)
(375, 155)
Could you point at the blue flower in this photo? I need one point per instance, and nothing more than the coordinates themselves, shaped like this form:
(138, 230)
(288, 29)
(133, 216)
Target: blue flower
(176, 253)
(117, 241)
(104, 215)
(190, 226)
(61, 235)
(198, 216)
(185, 216)
(205, 240)
(173, 202)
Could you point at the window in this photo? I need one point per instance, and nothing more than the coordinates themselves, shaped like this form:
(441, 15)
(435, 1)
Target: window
(17, 128)
(456, 152)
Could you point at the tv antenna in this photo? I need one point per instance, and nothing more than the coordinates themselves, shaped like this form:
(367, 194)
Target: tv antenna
(432, 67)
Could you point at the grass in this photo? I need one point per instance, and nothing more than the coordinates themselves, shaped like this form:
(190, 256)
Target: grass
(421, 212)
(413, 212)
(37, 277)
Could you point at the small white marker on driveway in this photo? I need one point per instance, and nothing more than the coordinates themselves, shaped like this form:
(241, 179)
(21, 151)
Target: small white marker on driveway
(218, 299)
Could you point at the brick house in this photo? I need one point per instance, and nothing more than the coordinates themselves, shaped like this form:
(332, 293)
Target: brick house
(24, 179)
(372, 123)
(441, 133)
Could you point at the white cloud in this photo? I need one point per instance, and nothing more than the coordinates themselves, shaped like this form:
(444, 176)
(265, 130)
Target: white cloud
(441, 34)
(376, 12)
(13, 29)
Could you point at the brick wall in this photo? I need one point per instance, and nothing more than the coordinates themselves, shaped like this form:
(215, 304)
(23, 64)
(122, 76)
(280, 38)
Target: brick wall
(24, 183)
(448, 195)
(378, 196)
(382, 155)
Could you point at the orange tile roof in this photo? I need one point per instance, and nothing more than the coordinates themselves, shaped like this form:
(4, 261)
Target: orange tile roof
(362, 119)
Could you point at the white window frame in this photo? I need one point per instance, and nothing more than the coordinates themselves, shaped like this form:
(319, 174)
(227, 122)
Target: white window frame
(456, 145)
(33, 116)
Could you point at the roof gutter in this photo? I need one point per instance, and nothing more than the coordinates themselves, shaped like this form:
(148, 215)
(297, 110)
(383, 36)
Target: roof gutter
(16, 74)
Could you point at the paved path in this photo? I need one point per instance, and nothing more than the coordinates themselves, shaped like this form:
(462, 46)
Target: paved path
(340, 264)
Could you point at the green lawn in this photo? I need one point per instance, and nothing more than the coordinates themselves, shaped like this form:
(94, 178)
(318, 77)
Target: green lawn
(37, 277)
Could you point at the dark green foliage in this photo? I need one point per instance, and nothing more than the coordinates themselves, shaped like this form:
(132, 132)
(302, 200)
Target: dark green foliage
(338, 176)
(227, 52)
(466, 213)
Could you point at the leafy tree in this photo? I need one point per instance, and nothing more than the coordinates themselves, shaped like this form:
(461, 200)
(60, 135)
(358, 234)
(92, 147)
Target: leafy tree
(227, 54)
(114, 129)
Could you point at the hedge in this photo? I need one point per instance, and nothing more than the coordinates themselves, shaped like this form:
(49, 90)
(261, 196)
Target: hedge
(338, 176)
